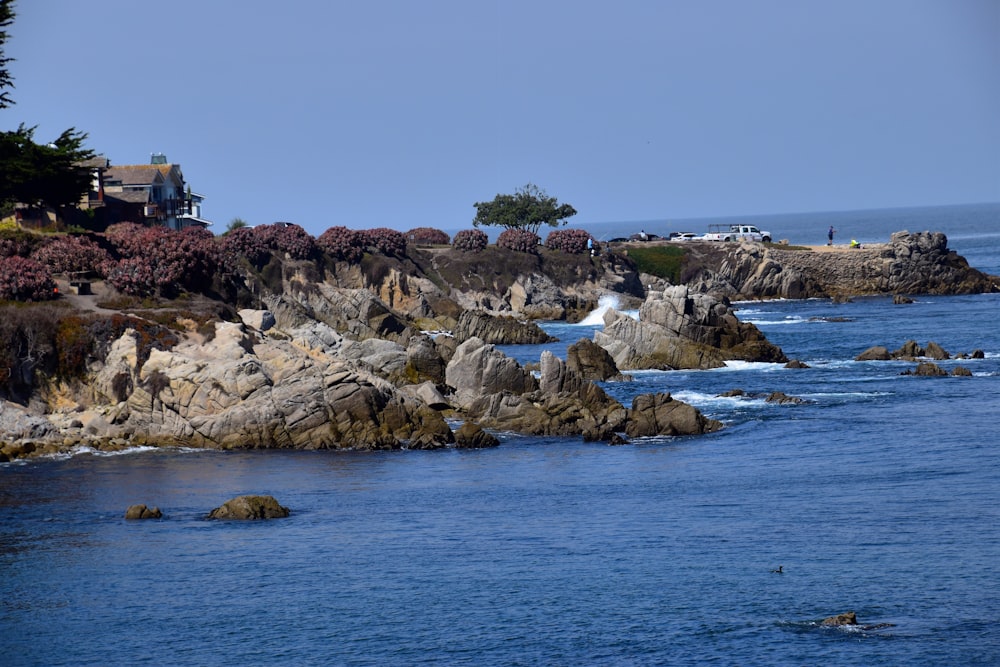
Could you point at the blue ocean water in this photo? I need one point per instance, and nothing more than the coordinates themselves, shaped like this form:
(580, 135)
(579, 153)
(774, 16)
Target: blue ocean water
(879, 495)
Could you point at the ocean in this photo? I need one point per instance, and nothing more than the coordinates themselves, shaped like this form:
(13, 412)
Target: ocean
(879, 494)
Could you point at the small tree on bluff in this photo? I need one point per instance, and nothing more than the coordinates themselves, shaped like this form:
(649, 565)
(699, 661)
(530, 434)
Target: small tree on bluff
(528, 209)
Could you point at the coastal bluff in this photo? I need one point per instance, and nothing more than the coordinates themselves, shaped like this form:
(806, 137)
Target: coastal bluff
(910, 263)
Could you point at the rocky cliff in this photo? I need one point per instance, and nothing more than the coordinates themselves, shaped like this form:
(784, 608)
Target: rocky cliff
(911, 263)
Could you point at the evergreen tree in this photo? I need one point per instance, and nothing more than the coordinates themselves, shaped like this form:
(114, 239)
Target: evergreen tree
(37, 174)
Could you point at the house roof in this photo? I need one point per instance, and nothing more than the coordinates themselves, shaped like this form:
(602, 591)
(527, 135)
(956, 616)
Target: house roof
(143, 174)
(129, 196)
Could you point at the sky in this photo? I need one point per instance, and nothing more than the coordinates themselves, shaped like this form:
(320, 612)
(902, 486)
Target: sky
(405, 113)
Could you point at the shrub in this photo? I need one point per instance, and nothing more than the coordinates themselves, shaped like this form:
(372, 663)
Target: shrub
(471, 240)
(571, 241)
(287, 238)
(188, 258)
(23, 279)
(342, 243)
(243, 242)
(16, 242)
(386, 241)
(66, 254)
(519, 240)
(157, 258)
(131, 275)
(126, 237)
(427, 236)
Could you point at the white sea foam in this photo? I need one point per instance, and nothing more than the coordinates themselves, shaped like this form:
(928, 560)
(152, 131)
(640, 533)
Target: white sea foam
(788, 319)
(604, 304)
(749, 366)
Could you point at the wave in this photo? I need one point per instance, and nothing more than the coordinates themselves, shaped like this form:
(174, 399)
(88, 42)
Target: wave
(604, 304)
(749, 366)
(82, 450)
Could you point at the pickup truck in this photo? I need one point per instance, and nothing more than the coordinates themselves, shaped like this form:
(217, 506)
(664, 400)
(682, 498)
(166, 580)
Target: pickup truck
(735, 232)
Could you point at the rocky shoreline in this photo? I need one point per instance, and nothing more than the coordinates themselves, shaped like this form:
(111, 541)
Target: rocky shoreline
(389, 353)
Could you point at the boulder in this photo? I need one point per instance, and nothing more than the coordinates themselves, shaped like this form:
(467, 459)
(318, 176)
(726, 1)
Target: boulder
(261, 320)
(960, 371)
(901, 299)
(479, 369)
(876, 353)
(847, 618)
(143, 512)
(424, 362)
(795, 363)
(250, 507)
(781, 398)
(591, 361)
(499, 330)
(472, 436)
(936, 352)
(926, 369)
(909, 351)
(661, 414)
(680, 329)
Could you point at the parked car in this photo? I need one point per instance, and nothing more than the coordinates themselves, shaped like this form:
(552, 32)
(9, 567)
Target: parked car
(683, 237)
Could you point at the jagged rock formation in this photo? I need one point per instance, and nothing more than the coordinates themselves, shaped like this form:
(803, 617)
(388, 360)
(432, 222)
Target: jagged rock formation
(591, 361)
(498, 330)
(679, 329)
(561, 403)
(237, 392)
(910, 351)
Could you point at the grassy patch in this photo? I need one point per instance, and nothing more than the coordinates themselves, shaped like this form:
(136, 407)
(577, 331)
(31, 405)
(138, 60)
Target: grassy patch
(662, 261)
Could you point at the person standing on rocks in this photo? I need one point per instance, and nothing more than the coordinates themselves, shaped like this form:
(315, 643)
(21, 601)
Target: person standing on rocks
(829, 235)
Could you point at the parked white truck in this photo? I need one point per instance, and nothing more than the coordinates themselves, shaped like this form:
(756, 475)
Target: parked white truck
(736, 232)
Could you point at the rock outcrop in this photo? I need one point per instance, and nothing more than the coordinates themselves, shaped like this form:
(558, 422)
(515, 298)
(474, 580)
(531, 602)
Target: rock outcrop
(680, 329)
(909, 351)
(498, 330)
(591, 361)
(245, 508)
(472, 436)
(661, 414)
(911, 263)
(233, 392)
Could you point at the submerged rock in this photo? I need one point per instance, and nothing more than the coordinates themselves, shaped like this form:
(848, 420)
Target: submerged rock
(143, 512)
(249, 508)
(472, 436)
(847, 618)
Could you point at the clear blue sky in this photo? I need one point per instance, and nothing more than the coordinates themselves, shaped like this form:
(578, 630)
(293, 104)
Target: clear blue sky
(404, 113)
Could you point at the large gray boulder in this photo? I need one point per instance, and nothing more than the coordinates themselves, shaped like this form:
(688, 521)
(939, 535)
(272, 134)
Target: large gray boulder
(591, 361)
(661, 414)
(479, 369)
(498, 329)
(679, 329)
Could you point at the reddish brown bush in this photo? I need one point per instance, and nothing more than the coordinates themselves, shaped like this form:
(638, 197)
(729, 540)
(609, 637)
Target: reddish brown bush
(471, 240)
(427, 236)
(386, 241)
(23, 279)
(342, 243)
(66, 254)
(519, 240)
(571, 241)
